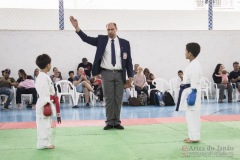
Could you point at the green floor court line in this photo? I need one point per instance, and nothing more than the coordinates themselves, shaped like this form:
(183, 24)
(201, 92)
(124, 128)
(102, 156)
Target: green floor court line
(139, 142)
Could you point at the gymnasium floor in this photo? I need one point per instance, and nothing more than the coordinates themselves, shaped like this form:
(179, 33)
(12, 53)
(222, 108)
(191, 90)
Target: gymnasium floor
(151, 133)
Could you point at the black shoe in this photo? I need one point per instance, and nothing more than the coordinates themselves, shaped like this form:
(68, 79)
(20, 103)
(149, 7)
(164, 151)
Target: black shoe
(5, 107)
(88, 105)
(107, 127)
(229, 101)
(118, 126)
(29, 106)
(75, 106)
(220, 101)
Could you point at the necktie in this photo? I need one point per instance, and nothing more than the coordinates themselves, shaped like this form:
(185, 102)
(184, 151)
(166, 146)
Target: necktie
(113, 53)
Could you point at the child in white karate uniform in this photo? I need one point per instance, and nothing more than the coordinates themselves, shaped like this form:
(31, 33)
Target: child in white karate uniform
(190, 96)
(45, 89)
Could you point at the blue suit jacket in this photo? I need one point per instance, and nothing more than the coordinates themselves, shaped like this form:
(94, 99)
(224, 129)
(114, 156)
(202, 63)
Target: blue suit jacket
(101, 42)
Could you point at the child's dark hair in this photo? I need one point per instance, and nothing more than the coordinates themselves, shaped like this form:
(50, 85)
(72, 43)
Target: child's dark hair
(180, 71)
(194, 48)
(224, 71)
(70, 72)
(43, 60)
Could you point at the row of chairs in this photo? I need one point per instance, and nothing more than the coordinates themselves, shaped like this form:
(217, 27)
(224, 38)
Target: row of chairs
(235, 93)
(25, 97)
(206, 88)
(65, 88)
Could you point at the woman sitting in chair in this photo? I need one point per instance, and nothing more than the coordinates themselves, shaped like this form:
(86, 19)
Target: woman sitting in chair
(140, 82)
(221, 85)
(149, 77)
(25, 85)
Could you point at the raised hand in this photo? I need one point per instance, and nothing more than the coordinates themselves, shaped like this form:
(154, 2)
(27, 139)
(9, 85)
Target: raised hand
(74, 23)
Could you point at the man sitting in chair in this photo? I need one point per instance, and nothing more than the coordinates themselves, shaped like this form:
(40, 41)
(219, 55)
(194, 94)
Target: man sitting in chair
(5, 86)
(83, 85)
(234, 77)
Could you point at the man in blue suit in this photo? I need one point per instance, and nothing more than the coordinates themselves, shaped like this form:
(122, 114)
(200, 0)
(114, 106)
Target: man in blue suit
(112, 61)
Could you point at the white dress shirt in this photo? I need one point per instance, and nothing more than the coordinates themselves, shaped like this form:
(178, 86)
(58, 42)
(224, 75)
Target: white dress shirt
(107, 56)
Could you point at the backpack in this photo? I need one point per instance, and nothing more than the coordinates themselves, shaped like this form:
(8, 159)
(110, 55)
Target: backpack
(152, 96)
(168, 99)
(159, 98)
(133, 101)
(143, 99)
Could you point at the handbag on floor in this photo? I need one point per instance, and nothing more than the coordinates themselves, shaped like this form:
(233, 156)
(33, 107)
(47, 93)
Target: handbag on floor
(133, 101)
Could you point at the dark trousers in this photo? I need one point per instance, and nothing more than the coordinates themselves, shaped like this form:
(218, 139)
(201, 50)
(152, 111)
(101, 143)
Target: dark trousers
(139, 90)
(113, 93)
(222, 87)
(21, 91)
(9, 92)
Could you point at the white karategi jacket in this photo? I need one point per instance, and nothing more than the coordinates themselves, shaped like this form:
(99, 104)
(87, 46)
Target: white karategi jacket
(192, 76)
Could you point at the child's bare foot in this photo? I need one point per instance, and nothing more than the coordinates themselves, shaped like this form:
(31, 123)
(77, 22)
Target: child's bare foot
(187, 139)
(51, 147)
(191, 141)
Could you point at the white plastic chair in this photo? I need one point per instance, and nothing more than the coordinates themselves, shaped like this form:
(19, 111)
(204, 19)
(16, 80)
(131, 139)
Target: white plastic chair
(28, 97)
(81, 96)
(67, 89)
(133, 92)
(225, 90)
(235, 92)
(92, 98)
(204, 88)
(209, 85)
(77, 95)
(161, 84)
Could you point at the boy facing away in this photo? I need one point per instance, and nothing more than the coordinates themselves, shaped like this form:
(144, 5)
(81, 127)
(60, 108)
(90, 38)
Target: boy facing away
(45, 89)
